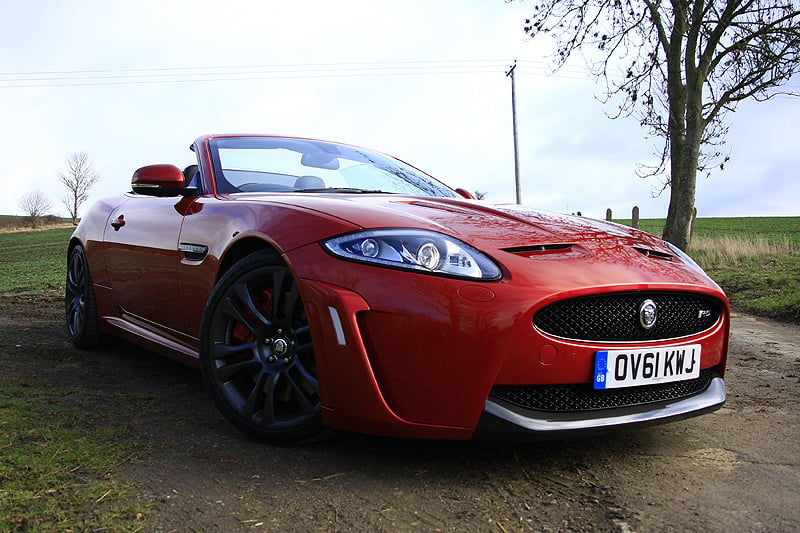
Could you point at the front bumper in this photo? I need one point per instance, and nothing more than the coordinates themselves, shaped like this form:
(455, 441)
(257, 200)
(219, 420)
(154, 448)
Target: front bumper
(410, 355)
(501, 419)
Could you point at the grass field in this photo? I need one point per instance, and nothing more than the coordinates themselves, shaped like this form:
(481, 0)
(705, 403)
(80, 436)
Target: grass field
(34, 263)
(58, 444)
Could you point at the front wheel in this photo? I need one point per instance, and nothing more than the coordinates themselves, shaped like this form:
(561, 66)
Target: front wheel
(256, 353)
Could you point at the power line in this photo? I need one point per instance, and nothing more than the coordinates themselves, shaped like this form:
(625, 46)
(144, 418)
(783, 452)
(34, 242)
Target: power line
(529, 68)
(245, 78)
(100, 77)
(243, 72)
(372, 64)
(78, 83)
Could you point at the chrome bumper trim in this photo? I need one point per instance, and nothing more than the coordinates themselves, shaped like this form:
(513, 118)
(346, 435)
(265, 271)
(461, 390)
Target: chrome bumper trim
(713, 397)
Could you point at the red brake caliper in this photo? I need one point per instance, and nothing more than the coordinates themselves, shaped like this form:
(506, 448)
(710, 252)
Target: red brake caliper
(241, 334)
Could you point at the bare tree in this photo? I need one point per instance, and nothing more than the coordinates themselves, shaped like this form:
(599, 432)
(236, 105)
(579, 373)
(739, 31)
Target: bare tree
(79, 178)
(678, 66)
(35, 205)
(481, 195)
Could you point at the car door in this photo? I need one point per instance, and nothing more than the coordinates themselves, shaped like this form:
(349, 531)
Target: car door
(142, 257)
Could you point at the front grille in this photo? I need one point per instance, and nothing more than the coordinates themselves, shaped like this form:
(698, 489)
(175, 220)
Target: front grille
(614, 317)
(582, 397)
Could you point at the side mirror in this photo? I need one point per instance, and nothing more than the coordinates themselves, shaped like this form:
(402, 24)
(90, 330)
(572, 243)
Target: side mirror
(161, 180)
(466, 194)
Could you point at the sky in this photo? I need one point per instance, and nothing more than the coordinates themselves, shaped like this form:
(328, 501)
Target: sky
(134, 83)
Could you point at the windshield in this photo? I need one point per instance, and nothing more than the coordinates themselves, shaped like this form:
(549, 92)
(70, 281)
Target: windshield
(277, 164)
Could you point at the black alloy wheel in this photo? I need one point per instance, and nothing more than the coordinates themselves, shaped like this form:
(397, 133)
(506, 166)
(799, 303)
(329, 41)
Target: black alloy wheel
(256, 352)
(79, 300)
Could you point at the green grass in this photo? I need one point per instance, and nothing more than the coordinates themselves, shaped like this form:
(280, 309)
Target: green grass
(59, 444)
(756, 260)
(34, 263)
(58, 447)
(768, 287)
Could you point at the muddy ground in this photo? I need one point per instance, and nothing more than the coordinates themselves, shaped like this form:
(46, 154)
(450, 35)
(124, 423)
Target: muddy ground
(737, 469)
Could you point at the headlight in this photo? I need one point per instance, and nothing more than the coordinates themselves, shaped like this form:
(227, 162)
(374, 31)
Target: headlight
(414, 249)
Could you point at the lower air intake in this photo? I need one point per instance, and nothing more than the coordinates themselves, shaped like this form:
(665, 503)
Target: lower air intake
(583, 397)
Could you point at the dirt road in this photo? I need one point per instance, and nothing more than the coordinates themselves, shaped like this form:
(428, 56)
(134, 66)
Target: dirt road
(737, 469)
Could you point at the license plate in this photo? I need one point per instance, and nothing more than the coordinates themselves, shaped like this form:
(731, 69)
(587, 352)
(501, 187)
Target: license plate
(646, 366)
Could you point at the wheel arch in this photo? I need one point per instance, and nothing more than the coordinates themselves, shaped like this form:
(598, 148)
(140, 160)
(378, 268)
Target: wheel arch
(73, 242)
(241, 249)
(93, 251)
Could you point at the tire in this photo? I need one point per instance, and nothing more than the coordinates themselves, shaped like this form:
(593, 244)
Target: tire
(79, 301)
(256, 353)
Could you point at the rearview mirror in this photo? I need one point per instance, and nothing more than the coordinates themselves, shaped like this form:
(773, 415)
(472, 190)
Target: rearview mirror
(160, 180)
(320, 160)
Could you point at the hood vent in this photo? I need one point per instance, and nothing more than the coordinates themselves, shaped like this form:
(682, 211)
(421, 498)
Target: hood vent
(654, 253)
(538, 249)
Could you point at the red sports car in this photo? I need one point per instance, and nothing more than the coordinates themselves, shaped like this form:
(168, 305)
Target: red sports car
(321, 285)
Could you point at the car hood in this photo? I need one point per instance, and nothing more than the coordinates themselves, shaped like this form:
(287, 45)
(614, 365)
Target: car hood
(483, 225)
(581, 251)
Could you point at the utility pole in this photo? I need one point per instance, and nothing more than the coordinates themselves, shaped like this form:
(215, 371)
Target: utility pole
(518, 191)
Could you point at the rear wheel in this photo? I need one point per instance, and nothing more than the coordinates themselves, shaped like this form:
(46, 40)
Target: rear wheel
(256, 353)
(81, 308)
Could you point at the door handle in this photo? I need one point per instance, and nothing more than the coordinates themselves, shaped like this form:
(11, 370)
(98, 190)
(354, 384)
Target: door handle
(118, 223)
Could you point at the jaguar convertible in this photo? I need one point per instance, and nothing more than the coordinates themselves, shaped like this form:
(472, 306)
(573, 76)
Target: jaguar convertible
(321, 285)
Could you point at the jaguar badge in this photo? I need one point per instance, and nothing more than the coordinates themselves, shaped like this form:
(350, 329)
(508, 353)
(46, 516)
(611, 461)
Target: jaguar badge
(648, 312)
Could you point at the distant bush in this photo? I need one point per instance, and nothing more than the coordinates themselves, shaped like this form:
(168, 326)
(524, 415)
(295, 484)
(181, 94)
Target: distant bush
(20, 223)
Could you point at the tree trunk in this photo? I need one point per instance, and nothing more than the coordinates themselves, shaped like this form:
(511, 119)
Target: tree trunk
(683, 185)
(676, 226)
(686, 127)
